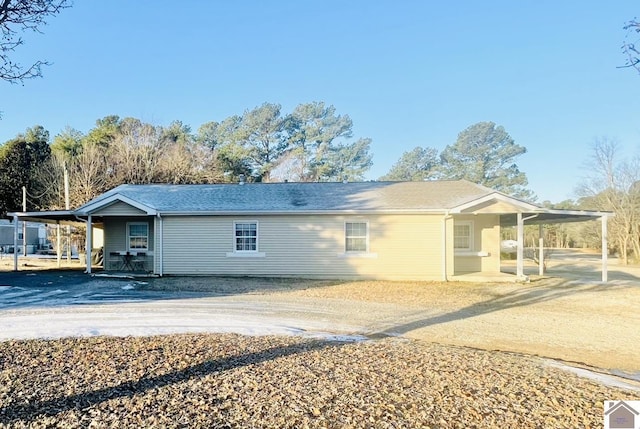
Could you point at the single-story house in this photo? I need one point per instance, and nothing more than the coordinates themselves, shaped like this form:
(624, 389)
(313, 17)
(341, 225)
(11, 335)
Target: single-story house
(432, 230)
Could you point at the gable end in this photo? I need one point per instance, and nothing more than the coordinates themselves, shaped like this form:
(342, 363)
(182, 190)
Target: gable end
(119, 208)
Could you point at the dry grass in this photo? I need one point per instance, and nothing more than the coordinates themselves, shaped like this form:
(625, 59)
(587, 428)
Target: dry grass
(229, 381)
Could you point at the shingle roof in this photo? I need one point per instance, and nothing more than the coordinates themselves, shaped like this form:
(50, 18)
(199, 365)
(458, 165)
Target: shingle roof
(299, 197)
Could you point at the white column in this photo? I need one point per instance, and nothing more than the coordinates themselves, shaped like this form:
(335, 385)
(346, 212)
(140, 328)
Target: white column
(541, 249)
(68, 235)
(520, 251)
(159, 247)
(24, 223)
(15, 243)
(89, 243)
(605, 250)
(58, 245)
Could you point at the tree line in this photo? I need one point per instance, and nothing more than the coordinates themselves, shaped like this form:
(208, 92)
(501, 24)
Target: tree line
(484, 153)
(312, 143)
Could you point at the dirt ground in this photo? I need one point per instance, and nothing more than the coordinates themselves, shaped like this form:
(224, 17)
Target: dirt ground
(592, 324)
(566, 318)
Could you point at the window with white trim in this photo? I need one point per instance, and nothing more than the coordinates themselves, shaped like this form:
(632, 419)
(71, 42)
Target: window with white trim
(246, 236)
(463, 236)
(138, 235)
(356, 236)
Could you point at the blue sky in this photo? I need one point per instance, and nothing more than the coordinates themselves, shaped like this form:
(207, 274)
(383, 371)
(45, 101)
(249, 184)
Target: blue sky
(408, 73)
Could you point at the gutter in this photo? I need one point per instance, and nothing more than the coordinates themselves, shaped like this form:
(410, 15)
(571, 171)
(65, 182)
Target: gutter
(303, 212)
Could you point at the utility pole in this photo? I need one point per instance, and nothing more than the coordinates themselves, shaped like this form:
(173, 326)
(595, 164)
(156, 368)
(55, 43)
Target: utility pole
(24, 223)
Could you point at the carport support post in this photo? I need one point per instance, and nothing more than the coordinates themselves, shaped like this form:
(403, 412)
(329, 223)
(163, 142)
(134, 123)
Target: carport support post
(541, 249)
(605, 250)
(89, 243)
(520, 250)
(58, 245)
(15, 243)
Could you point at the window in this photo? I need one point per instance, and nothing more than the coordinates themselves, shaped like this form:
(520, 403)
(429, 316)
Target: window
(463, 236)
(246, 236)
(356, 236)
(138, 236)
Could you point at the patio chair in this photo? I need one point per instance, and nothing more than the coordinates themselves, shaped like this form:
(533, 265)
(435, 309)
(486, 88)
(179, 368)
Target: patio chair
(139, 261)
(115, 260)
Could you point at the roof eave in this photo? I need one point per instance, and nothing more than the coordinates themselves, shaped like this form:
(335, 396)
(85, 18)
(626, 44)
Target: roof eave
(300, 212)
(62, 217)
(498, 196)
(95, 206)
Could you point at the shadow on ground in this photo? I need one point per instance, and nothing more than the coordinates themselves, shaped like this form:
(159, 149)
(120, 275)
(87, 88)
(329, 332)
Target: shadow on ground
(29, 410)
(43, 288)
(532, 293)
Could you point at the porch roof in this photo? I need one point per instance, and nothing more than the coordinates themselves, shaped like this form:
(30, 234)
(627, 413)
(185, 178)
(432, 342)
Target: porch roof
(62, 217)
(551, 216)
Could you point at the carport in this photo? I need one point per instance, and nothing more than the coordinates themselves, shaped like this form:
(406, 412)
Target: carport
(55, 217)
(551, 216)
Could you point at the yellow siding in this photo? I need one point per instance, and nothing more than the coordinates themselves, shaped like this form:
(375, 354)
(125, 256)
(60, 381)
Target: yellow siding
(486, 239)
(401, 247)
(450, 251)
(491, 243)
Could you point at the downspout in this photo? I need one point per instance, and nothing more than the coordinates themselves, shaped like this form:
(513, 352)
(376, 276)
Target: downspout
(444, 246)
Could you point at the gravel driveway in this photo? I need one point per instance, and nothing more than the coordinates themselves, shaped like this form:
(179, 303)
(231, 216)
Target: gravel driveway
(580, 322)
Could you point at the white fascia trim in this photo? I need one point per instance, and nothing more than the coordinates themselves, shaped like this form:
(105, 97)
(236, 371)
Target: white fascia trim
(42, 213)
(301, 212)
(497, 197)
(114, 199)
(586, 213)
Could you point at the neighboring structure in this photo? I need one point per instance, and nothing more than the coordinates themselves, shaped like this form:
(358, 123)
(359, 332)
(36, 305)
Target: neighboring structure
(34, 237)
(434, 230)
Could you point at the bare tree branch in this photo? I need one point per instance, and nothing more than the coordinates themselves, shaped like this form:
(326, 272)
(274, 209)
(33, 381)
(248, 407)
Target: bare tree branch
(629, 47)
(18, 16)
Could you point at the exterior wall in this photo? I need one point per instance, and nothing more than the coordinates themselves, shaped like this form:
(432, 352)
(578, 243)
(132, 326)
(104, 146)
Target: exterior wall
(486, 239)
(119, 209)
(7, 231)
(115, 238)
(493, 207)
(401, 247)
